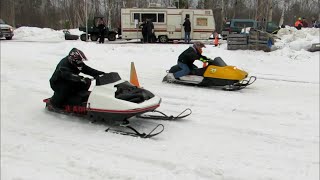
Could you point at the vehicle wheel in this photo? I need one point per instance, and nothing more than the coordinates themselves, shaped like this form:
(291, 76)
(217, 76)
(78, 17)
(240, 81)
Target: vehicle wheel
(94, 37)
(112, 37)
(8, 38)
(163, 39)
(83, 37)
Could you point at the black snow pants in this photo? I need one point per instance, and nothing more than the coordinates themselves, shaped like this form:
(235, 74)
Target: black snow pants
(69, 93)
(101, 36)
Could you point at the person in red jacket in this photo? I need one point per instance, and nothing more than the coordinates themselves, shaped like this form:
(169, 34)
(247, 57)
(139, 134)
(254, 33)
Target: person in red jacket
(298, 24)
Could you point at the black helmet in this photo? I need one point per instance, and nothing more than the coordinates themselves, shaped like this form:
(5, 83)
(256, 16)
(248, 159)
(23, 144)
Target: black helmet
(76, 57)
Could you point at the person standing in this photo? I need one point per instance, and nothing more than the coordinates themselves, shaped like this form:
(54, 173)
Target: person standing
(304, 22)
(187, 30)
(150, 31)
(144, 31)
(102, 30)
(298, 24)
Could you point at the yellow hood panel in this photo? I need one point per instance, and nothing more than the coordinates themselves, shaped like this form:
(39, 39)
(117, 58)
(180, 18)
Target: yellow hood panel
(226, 72)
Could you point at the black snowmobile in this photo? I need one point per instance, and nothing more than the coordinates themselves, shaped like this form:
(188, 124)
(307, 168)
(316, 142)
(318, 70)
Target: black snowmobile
(114, 101)
(216, 73)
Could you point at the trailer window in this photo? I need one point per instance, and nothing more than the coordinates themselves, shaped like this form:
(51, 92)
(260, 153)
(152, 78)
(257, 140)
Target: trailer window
(161, 17)
(202, 22)
(152, 17)
(136, 16)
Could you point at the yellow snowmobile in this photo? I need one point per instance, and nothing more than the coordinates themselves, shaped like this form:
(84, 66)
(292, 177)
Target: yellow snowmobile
(216, 73)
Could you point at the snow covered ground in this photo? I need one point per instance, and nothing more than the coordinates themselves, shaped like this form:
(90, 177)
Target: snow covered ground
(269, 130)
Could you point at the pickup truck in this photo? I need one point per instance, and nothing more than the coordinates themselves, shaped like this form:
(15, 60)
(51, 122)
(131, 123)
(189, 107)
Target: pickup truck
(5, 30)
(234, 26)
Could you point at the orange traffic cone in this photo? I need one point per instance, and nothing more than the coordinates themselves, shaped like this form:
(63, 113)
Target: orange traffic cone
(133, 76)
(216, 40)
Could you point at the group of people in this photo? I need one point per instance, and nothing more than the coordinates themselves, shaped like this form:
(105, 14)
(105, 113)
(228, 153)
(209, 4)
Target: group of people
(148, 31)
(302, 22)
(150, 37)
(67, 83)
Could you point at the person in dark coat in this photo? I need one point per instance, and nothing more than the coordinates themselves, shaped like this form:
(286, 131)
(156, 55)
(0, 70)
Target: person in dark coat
(102, 30)
(187, 58)
(187, 30)
(150, 31)
(304, 22)
(66, 81)
(144, 31)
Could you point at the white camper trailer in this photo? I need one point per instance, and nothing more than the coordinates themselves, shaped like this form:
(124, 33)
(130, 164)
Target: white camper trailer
(167, 23)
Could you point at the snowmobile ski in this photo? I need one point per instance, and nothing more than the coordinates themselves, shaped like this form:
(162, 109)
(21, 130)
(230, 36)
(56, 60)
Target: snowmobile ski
(164, 116)
(240, 85)
(135, 132)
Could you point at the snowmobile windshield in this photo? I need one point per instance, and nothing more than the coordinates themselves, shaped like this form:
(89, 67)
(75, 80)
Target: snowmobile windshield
(107, 78)
(217, 62)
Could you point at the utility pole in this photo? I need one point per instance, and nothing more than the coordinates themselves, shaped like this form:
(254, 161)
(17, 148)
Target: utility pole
(86, 11)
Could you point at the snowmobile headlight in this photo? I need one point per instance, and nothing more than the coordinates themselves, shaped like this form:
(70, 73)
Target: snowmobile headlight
(235, 68)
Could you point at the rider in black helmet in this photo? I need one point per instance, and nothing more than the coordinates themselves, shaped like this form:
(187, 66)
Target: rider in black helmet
(66, 81)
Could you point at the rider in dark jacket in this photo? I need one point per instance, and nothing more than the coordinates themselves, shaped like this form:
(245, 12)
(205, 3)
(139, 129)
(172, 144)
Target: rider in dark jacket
(66, 81)
(187, 58)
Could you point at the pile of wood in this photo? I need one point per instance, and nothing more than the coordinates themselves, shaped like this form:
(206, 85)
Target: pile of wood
(255, 40)
(237, 41)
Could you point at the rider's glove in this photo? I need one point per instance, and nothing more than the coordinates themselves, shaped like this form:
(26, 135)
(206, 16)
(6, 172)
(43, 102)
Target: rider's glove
(203, 59)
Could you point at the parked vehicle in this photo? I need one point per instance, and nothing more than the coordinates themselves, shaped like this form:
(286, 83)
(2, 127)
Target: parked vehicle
(167, 23)
(234, 26)
(6, 30)
(93, 31)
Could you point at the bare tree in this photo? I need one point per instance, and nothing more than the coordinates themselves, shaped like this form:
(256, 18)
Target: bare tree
(285, 5)
(270, 10)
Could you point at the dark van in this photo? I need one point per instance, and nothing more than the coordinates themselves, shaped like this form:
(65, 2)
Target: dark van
(234, 26)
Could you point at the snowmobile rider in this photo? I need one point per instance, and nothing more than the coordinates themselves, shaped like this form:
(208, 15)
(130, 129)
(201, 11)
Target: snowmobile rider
(187, 57)
(66, 81)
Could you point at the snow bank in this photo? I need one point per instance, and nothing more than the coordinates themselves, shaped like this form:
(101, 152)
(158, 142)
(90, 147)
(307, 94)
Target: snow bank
(294, 39)
(35, 33)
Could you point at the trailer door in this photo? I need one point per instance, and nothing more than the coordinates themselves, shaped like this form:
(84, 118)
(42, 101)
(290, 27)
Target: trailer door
(187, 14)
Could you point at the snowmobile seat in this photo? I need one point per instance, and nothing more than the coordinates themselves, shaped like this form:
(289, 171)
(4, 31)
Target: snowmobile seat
(128, 92)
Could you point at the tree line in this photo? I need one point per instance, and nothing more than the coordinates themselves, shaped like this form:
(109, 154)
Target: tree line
(65, 14)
